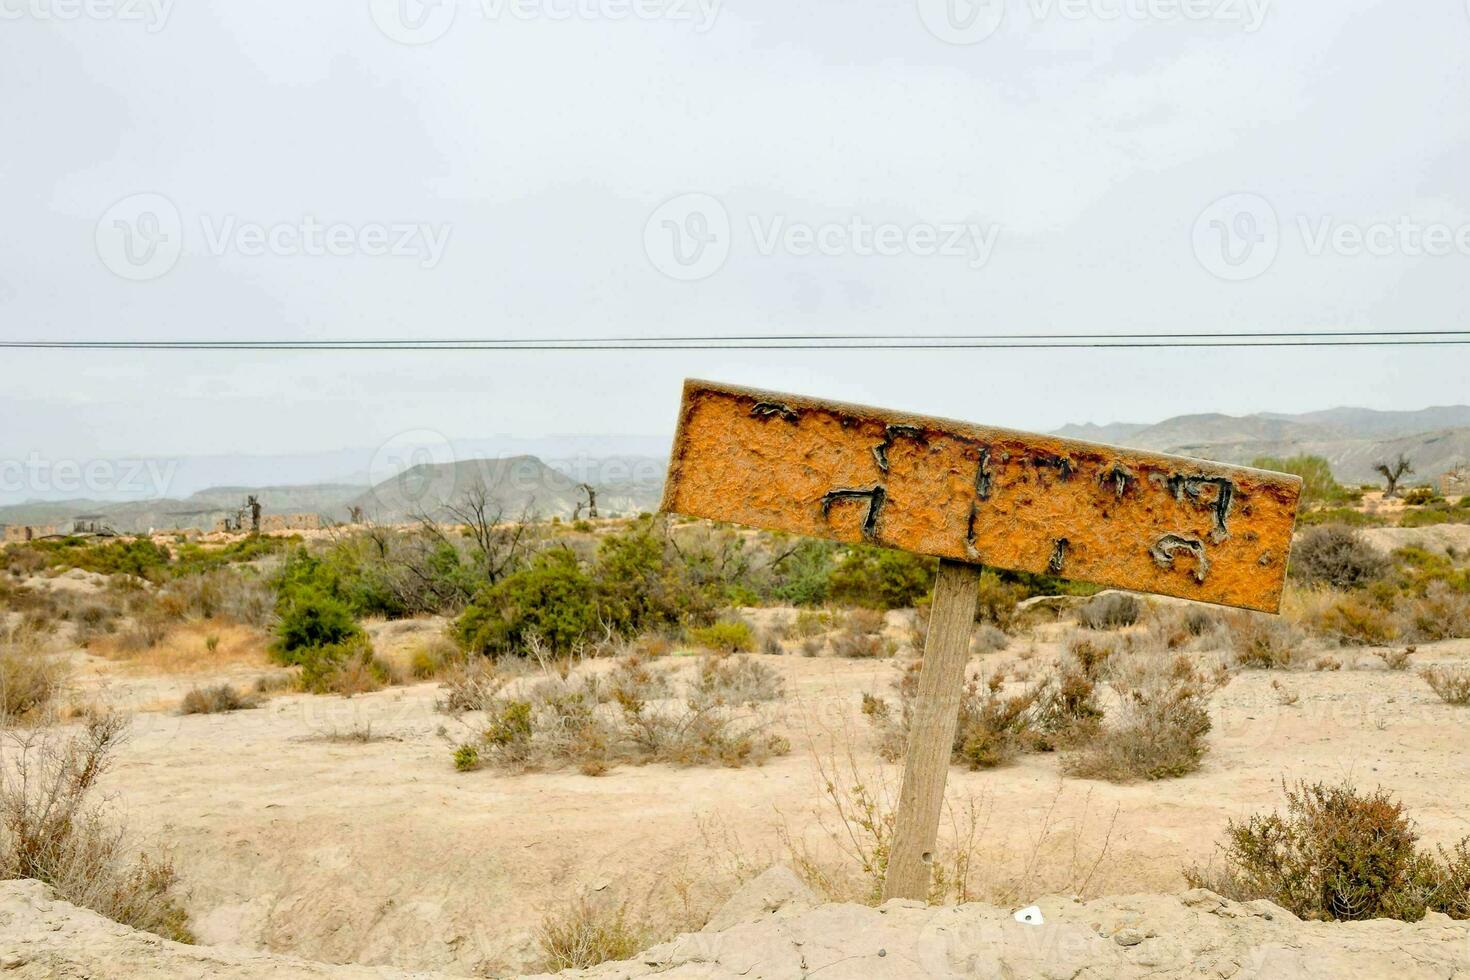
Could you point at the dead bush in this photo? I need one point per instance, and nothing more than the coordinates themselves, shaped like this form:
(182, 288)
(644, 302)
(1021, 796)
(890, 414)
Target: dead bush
(30, 679)
(633, 716)
(1160, 728)
(55, 831)
(1353, 619)
(994, 727)
(864, 621)
(1263, 642)
(1172, 626)
(216, 700)
(989, 639)
(858, 646)
(239, 595)
(738, 681)
(1442, 613)
(1452, 684)
(1110, 611)
(1338, 854)
(1396, 659)
(584, 934)
(1336, 556)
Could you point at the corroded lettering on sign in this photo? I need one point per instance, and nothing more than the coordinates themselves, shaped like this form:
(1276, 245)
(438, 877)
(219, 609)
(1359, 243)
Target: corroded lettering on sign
(1133, 520)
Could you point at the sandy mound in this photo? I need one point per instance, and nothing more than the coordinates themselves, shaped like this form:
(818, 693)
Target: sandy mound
(774, 931)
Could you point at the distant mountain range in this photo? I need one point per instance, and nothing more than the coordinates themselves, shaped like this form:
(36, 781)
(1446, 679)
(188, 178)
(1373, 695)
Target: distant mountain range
(1353, 440)
(520, 485)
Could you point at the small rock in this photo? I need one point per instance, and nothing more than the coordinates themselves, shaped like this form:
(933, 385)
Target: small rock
(1128, 937)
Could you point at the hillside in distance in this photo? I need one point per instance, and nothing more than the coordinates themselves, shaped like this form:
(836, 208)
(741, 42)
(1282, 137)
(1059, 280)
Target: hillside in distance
(1352, 440)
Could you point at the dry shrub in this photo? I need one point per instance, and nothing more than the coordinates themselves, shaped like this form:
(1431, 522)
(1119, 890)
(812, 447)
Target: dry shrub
(1336, 556)
(196, 647)
(811, 647)
(1338, 854)
(1058, 710)
(216, 700)
(1442, 613)
(238, 595)
(30, 679)
(1396, 659)
(989, 639)
(55, 831)
(1326, 662)
(864, 621)
(812, 622)
(738, 680)
(347, 669)
(1353, 619)
(1264, 642)
(584, 934)
(1110, 611)
(433, 657)
(632, 715)
(998, 600)
(1174, 626)
(1163, 718)
(1452, 684)
(858, 646)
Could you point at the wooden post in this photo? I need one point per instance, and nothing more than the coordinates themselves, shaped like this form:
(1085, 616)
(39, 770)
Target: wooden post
(931, 736)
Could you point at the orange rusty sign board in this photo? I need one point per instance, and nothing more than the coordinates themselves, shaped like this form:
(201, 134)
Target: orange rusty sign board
(1148, 522)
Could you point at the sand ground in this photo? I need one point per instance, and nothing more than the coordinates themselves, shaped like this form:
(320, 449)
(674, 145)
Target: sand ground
(291, 836)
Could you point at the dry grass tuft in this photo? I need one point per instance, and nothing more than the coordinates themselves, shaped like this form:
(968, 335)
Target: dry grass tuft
(217, 700)
(30, 679)
(1452, 684)
(1263, 642)
(584, 934)
(186, 649)
(55, 832)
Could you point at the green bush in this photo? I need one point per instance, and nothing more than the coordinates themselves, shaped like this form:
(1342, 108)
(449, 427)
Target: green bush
(804, 577)
(724, 637)
(641, 588)
(310, 619)
(349, 667)
(880, 578)
(1318, 484)
(552, 598)
(1338, 854)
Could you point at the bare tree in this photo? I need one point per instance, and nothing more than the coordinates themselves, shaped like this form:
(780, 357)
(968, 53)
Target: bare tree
(1393, 473)
(498, 544)
(591, 493)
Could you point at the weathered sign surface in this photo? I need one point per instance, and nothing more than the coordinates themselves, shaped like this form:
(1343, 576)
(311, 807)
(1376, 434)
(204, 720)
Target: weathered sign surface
(1148, 522)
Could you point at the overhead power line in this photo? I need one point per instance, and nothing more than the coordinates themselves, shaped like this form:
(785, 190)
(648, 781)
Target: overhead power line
(855, 342)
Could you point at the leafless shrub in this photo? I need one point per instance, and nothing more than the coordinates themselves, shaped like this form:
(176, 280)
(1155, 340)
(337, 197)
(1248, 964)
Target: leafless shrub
(1110, 611)
(236, 594)
(858, 646)
(216, 700)
(1173, 626)
(989, 639)
(1263, 642)
(1326, 663)
(1442, 613)
(1397, 659)
(1336, 556)
(1161, 725)
(30, 679)
(1452, 684)
(55, 831)
(631, 715)
(864, 621)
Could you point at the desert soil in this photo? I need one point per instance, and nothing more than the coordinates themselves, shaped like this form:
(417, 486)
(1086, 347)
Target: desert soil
(290, 839)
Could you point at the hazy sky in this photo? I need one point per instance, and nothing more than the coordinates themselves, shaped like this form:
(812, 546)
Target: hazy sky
(541, 168)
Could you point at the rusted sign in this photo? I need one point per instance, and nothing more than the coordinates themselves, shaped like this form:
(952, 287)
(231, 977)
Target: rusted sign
(1117, 517)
